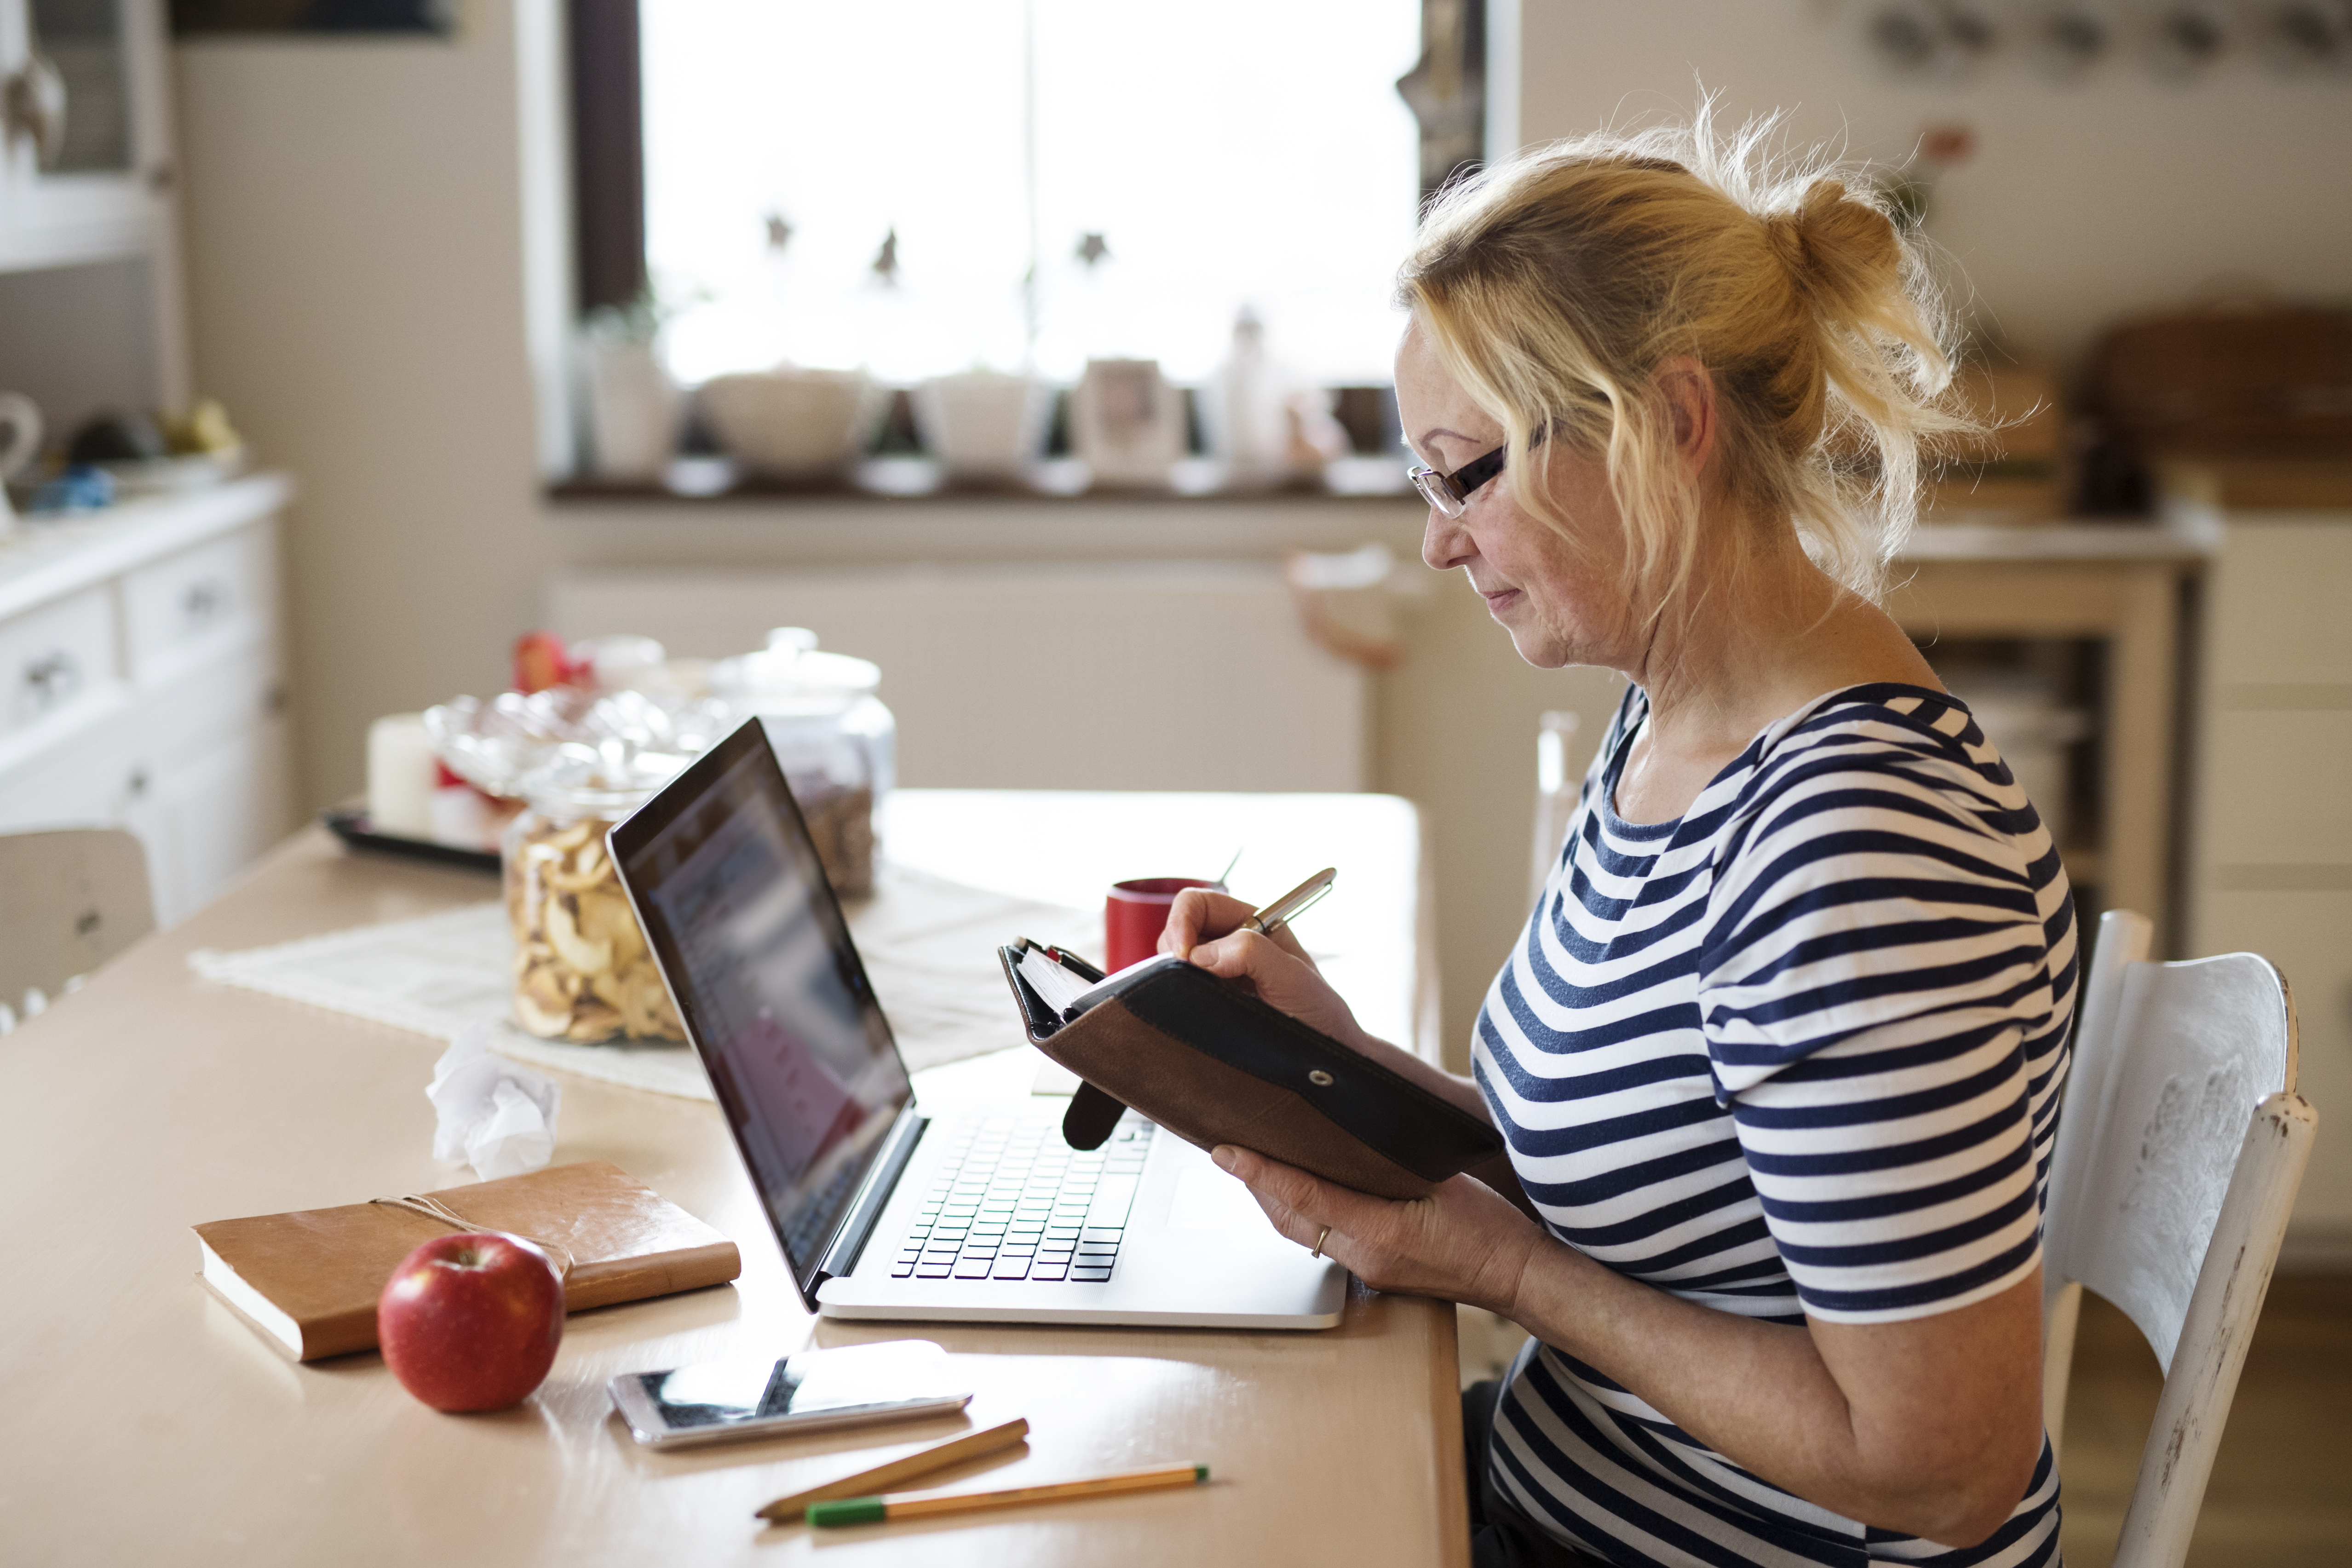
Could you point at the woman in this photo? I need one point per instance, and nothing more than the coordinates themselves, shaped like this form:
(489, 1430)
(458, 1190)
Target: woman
(1779, 1054)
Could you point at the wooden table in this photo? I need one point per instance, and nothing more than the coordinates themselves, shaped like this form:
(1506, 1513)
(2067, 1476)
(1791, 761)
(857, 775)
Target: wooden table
(146, 1422)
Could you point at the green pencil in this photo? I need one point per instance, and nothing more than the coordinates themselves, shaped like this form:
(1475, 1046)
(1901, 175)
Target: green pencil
(867, 1510)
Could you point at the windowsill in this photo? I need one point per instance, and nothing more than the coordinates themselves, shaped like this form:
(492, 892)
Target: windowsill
(901, 510)
(714, 481)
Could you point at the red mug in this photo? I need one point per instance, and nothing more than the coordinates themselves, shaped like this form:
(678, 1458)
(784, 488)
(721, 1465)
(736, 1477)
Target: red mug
(1136, 912)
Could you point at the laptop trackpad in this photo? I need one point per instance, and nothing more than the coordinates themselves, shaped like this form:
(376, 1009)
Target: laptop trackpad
(1208, 1199)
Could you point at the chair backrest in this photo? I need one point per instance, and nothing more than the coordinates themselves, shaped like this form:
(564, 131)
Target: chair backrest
(1558, 784)
(68, 901)
(2180, 1149)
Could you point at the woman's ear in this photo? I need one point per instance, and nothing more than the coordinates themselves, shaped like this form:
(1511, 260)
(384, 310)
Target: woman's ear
(1689, 393)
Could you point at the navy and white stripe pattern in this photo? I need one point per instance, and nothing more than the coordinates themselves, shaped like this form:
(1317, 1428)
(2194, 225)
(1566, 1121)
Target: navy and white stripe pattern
(1798, 1051)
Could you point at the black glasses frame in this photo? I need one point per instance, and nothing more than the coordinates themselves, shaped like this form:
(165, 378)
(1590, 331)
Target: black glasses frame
(1450, 493)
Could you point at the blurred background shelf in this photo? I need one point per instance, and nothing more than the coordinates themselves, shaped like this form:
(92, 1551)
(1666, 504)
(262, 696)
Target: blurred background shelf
(2124, 590)
(2268, 841)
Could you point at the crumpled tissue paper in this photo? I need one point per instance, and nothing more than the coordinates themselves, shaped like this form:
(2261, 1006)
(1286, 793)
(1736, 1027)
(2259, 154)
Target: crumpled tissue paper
(497, 1116)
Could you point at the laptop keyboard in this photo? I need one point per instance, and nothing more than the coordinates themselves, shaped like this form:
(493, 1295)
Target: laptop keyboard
(1013, 1201)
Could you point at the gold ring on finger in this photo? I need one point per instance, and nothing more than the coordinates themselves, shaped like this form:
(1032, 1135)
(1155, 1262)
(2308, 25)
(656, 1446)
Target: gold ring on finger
(1319, 1239)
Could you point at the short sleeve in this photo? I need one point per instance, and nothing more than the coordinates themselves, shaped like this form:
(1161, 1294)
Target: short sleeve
(1874, 971)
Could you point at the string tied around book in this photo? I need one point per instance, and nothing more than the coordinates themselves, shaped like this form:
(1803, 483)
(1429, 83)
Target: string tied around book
(434, 1208)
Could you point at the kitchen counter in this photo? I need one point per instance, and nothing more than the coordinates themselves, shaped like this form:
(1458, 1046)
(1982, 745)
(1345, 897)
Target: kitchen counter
(2122, 584)
(2106, 539)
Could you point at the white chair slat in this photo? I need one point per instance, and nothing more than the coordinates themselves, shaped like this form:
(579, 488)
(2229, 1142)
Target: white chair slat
(2207, 1041)
(2181, 1147)
(2178, 1458)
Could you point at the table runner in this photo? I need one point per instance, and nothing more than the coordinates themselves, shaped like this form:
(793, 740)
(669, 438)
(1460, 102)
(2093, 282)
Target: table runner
(928, 946)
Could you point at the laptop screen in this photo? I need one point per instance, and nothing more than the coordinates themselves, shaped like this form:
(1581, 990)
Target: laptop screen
(749, 935)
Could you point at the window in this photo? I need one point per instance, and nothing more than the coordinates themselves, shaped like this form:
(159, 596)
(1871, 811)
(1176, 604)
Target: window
(912, 188)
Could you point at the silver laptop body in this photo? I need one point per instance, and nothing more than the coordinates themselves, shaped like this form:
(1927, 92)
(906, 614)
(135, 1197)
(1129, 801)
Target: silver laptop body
(984, 1215)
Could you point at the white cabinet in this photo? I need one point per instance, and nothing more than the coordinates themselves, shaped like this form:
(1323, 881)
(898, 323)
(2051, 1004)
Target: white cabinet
(87, 171)
(92, 315)
(205, 817)
(190, 605)
(166, 719)
(2269, 861)
(61, 665)
(139, 674)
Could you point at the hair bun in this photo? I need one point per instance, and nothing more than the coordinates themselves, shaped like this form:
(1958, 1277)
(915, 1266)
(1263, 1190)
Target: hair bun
(1838, 248)
(1553, 286)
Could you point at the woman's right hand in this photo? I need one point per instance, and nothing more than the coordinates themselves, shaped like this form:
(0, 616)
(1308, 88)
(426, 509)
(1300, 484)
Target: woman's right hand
(1204, 928)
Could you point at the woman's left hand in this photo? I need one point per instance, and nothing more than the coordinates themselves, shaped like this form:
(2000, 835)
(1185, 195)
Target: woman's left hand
(1463, 1242)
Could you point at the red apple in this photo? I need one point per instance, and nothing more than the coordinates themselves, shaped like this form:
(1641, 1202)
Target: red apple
(542, 659)
(471, 1322)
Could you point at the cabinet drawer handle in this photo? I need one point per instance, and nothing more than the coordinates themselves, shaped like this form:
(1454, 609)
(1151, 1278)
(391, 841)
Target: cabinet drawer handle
(51, 679)
(204, 599)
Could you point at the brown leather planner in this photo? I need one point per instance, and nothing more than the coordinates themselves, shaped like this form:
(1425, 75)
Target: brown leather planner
(309, 1280)
(1214, 1065)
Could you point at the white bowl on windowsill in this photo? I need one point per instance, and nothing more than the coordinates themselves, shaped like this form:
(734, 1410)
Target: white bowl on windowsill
(792, 425)
(983, 425)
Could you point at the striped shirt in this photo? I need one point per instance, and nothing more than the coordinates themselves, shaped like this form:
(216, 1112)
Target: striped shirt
(1797, 1052)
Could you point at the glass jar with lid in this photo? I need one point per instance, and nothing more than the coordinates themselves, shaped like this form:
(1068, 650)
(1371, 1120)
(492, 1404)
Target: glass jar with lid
(835, 740)
(582, 972)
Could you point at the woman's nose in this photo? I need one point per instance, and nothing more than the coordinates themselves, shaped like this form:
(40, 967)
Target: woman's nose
(1445, 543)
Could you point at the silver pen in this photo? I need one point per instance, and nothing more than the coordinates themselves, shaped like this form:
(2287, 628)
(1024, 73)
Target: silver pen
(1292, 905)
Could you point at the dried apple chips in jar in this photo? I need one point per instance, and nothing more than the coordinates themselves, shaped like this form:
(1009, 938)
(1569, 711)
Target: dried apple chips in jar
(581, 970)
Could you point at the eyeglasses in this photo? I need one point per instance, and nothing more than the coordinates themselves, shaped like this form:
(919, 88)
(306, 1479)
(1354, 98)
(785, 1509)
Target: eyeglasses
(1449, 493)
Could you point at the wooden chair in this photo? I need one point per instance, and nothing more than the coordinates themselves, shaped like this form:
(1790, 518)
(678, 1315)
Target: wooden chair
(68, 901)
(2179, 1150)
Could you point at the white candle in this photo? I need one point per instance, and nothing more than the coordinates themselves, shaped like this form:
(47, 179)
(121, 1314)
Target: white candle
(401, 774)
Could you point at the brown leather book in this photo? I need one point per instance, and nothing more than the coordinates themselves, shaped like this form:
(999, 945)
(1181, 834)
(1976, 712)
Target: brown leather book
(1213, 1064)
(309, 1281)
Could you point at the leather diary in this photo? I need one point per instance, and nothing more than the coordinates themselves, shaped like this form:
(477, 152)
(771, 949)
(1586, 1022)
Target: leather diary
(309, 1280)
(1213, 1064)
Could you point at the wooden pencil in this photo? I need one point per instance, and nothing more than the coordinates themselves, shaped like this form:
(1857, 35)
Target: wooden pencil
(866, 1509)
(922, 1462)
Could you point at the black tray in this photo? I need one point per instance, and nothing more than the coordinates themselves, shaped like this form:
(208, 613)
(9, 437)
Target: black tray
(351, 824)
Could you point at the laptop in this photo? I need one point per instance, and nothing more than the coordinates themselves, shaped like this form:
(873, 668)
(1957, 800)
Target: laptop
(883, 1212)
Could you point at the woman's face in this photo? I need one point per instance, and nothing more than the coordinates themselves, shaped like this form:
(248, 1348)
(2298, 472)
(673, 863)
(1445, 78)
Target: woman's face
(1556, 592)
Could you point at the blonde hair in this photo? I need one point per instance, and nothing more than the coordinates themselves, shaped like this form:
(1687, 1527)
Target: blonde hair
(1554, 286)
